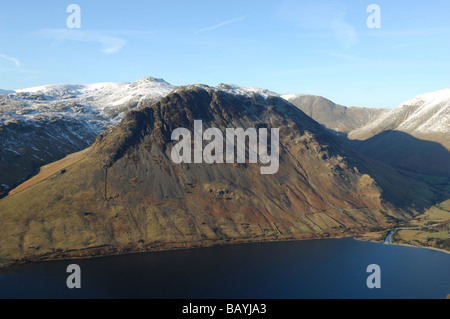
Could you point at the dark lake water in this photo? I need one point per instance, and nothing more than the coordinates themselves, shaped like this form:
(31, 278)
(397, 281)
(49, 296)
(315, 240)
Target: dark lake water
(330, 268)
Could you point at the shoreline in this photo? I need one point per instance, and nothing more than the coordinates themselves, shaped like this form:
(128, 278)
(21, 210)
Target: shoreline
(120, 250)
(402, 244)
(424, 247)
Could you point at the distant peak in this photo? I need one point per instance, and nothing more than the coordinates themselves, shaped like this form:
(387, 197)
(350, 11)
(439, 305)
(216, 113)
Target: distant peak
(7, 91)
(245, 90)
(149, 79)
(434, 97)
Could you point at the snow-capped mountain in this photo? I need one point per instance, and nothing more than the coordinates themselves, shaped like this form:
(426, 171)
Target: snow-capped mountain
(101, 102)
(425, 116)
(41, 124)
(245, 90)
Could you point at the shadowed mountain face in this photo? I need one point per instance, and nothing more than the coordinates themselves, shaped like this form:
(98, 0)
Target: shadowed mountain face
(405, 151)
(25, 146)
(413, 136)
(124, 193)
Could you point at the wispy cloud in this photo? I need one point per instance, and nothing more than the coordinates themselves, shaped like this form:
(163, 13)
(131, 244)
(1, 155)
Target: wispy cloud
(222, 24)
(109, 43)
(11, 59)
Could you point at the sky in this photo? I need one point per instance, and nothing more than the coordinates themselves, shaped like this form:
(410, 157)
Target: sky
(290, 46)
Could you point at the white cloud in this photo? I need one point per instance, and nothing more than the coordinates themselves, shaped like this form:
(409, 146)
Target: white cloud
(110, 44)
(11, 59)
(222, 24)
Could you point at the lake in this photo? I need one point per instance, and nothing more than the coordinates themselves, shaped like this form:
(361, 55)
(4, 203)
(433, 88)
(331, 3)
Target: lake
(325, 268)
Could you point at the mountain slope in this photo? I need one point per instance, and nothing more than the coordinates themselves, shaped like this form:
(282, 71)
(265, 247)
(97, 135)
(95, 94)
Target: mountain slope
(124, 193)
(43, 124)
(426, 116)
(333, 116)
(6, 91)
(414, 135)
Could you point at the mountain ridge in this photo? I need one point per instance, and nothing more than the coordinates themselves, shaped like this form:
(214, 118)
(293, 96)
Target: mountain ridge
(335, 117)
(420, 116)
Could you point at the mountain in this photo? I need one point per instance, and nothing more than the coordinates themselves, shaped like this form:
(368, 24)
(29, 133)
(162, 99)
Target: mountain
(42, 124)
(6, 91)
(426, 116)
(333, 116)
(413, 136)
(125, 193)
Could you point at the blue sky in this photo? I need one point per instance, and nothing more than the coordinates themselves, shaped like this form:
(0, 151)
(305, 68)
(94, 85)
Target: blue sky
(312, 47)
